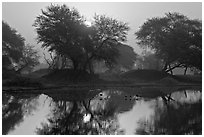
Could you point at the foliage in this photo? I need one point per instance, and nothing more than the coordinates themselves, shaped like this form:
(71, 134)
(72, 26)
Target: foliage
(12, 45)
(16, 55)
(109, 33)
(175, 39)
(62, 30)
(127, 57)
(29, 59)
(125, 61)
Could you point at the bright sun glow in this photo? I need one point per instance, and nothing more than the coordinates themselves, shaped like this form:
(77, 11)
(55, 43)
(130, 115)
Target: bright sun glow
(88, 23)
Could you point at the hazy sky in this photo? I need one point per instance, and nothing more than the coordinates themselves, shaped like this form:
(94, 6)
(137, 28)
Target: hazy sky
(21, 15)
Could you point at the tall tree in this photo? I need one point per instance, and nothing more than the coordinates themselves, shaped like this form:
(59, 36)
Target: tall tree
(62, 30)
(59, 29)
(109, 35)
(175, 38)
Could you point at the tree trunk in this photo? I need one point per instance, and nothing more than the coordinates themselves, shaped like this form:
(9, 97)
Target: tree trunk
(165, 67)
(170, 69)
(75, 64)
(63, 62)
(88, 64)
(185, 70)
(22, 67)
(91, 68)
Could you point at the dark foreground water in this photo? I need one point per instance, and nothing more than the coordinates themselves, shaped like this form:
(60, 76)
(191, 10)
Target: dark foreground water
(135, 111)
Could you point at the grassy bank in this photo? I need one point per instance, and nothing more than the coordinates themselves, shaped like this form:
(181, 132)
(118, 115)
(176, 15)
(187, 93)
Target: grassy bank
(78, 79)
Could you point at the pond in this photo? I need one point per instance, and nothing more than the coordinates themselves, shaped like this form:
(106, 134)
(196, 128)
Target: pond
(145, 110)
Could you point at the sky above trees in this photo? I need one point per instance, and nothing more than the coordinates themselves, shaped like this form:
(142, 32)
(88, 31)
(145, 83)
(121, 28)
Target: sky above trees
(21, 16)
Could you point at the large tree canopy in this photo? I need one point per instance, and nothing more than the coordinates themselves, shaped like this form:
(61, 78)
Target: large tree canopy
(16, 55)
(12, 45)
(127, 57)
(175, 38)
(63, 30)
(60, 29)
(124, 62)
(109, 35)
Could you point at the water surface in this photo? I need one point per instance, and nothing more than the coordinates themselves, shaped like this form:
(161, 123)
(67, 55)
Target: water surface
(146, 110)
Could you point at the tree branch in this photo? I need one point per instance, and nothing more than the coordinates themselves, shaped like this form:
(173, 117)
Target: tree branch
(176, 66)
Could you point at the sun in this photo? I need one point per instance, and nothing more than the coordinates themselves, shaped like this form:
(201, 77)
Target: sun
(88, 23)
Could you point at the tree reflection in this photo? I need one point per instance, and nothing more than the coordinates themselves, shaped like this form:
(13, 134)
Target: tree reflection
(174, 118)
(88, 116)
(97, 112)
(11, 114)
(71, 121)
(14, 109)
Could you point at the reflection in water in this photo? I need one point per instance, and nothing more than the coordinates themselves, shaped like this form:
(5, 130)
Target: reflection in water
(72, 122)
(82, 117)
(33, 120)
(14, 109)
(128, 120)
(141, 111)
(21, 115)
(174, 119)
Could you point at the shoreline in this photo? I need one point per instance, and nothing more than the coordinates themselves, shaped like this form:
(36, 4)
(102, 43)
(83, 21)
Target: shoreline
(93, 87)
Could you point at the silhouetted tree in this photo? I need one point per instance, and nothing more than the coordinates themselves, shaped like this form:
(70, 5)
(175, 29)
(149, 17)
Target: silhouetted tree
(175, 38)
(62, 30)
(127, 57)
(125, 61)
(12, 46)
(16, 55)
(109, 33)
